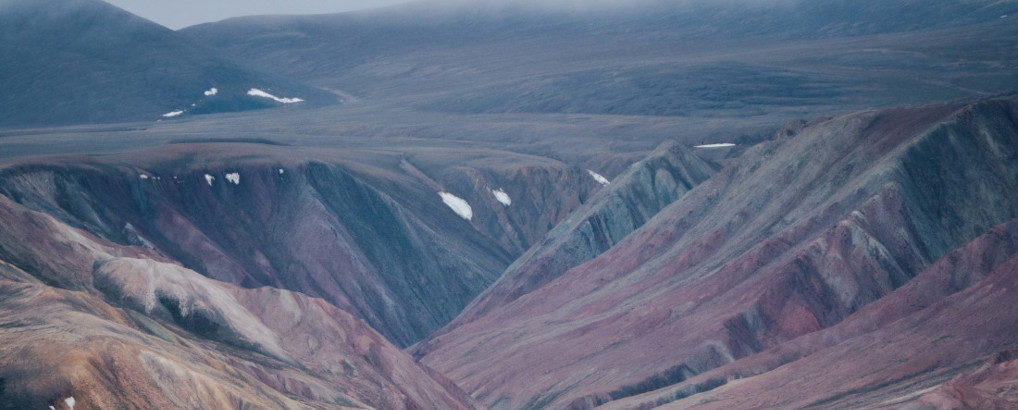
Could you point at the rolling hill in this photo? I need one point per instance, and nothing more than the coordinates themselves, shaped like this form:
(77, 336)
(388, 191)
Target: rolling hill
(85, 61)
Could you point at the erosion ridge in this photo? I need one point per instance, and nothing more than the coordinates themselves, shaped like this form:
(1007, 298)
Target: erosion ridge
(631, 199)
(352, 228)
(778, 244)
(459, 205)
(128, 329)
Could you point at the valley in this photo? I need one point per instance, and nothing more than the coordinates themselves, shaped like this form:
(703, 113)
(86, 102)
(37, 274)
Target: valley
(508, 205)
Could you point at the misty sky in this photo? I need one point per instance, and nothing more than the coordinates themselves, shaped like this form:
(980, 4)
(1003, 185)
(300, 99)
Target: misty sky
(177, 14)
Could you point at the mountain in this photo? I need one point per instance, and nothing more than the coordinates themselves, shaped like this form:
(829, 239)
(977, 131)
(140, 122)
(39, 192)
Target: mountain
(375, 233)
(794, 237)
(627, 203)
(518, 205)
(730, 59)
(93, 324)
(908, 347)
(85, 61)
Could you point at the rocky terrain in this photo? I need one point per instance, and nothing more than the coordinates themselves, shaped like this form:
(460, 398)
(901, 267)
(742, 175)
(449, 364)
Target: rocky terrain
(792, 238)
(511, 205)
(366, 231)
(113, 326)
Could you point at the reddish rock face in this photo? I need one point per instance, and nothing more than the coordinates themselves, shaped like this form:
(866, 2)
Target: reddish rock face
(792, 238)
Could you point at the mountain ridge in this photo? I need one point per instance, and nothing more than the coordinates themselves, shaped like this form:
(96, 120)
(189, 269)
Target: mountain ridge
(666, 280)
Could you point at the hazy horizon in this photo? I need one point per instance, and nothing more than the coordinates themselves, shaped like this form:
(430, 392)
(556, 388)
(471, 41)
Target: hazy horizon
(183, 13)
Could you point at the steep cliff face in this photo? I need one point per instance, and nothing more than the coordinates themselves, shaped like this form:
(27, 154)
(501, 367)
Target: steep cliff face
(99, 325)
(366, 231)
(790, 239)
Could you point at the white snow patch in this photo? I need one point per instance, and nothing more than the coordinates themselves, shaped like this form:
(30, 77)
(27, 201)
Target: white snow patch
(209, 179)
(142, 176)
(52, 408)
(720, 145)
(70, 402)
(212, 91)
(172, 114)
(259, 93)
(280, 171)
(458, 205)
(502, 197)
(599, 178)
(234, 177)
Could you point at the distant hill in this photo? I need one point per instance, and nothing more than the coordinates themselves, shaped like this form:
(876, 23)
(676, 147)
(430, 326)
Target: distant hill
(659, 58)
(85, 61)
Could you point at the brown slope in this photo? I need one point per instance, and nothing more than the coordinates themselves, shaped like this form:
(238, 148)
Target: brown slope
(129, 330)
(790, 239)
(364, 229)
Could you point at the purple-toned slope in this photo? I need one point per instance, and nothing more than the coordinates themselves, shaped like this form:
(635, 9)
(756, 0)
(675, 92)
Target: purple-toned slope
(773, 377)
(112, 326)
(790, 239)
(628, 202)
(366, 230)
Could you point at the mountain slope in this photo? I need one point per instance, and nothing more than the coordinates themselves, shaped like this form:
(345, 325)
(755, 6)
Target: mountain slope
(366, 230)
(85, 61)
(903, 345)
(791, 238)
(92, 324)
(627, 203)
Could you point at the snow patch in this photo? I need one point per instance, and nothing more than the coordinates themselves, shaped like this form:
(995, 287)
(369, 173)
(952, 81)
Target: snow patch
(719, 145)
(599, 178)
(458, 205)
(212, 91)
(172, 114)
(280, 171)
(259, 93)
(502, 197)
(70, 402)
(209, 179)
(234, 177)
(142, 176)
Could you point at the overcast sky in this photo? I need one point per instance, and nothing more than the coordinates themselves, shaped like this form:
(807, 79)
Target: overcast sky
(177, 14)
